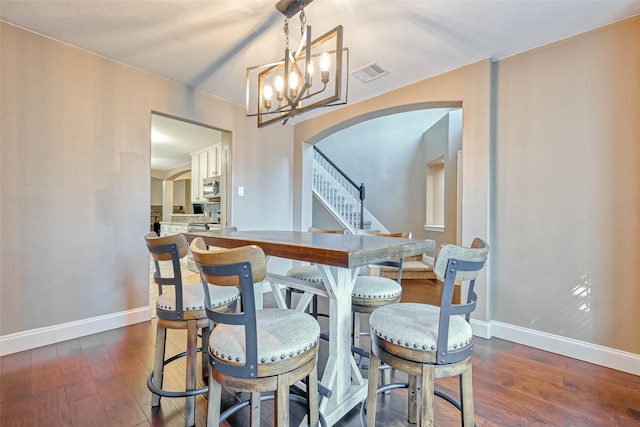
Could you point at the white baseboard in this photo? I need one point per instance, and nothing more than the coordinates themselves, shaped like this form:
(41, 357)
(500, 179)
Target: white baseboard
(580, 350)
(592, 353)
(481, 329)
(21, 341)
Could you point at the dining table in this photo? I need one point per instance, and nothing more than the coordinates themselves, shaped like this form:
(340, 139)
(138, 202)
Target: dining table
(339, 258)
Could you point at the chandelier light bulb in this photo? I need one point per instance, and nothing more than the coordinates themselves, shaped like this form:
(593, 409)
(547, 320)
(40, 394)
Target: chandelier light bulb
(279, 87)
(279, 83)
(325, 62)
(310, 76)
(293, 84)
(293, 80)
(268, 94)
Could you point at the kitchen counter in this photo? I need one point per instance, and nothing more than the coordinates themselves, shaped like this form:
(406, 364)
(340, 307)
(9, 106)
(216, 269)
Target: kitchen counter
(187, 218)
(181, 223)
(177, 227)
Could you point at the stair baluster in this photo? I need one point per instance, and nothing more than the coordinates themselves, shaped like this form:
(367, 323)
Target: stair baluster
(341, 195)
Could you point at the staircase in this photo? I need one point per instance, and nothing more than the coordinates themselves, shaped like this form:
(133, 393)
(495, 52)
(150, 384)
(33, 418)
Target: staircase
(341, 196)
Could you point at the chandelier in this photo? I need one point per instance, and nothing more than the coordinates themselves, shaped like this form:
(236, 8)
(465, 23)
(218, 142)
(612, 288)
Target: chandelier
(305, 79)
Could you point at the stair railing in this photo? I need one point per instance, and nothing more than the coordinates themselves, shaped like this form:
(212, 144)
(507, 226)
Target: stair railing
(346, 188)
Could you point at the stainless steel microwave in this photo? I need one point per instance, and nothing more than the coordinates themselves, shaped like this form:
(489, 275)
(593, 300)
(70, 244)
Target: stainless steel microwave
(211, 187)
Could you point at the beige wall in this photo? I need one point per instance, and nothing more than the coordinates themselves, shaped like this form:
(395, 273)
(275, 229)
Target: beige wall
(566, 243)
(444, 139)
(75, 178)
(469, 86)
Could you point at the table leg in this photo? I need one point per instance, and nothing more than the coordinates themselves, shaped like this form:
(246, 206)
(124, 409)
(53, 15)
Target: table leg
(341, 375)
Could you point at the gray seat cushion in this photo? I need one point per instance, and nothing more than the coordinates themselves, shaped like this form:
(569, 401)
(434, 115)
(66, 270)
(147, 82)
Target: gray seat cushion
(416, 326)
(309, 273)
(376, 287)
(282, 334)
(193, 297)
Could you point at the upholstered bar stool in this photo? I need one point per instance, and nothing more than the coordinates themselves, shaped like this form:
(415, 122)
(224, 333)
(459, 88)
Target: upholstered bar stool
(180, 306)
(255, 351)
(372, 292)
(430, 342)
(309, 273)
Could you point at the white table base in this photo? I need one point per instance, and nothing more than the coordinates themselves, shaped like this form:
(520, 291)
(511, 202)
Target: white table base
(341, 374)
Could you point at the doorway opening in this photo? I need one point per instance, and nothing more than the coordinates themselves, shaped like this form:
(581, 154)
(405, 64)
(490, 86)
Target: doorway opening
(185, 156)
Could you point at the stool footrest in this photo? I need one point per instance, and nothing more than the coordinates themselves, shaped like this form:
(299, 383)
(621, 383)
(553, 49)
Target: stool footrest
(388, 387)
(173, 394)
(244, 403)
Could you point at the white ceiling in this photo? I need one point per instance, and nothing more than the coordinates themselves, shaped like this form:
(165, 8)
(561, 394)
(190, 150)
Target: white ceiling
(209, 44)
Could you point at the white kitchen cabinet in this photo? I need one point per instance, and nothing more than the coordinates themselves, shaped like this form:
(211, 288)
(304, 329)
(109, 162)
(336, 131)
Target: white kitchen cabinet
(205, 163)
(203, 158)
(199, 171)
(171, 228)
(195, 166)
(215, 160)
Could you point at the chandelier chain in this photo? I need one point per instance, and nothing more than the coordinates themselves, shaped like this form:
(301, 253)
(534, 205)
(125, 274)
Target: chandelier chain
(303, 18)
(286, 32)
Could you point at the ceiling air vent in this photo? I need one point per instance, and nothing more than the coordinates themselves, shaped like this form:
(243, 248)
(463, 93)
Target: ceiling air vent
(370, 72)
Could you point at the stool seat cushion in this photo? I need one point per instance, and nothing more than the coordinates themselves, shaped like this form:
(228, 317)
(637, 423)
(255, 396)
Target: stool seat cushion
(193, 297)
(376, 287)
(309, 273)
(416, 326)
(282, 334)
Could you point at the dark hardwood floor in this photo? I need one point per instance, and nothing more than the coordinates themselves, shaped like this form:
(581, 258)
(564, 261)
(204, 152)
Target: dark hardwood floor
(100, 380)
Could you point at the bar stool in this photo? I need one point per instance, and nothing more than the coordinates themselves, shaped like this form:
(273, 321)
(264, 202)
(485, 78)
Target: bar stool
(180, 307)
(255, 351)
(430, 342)
(372, 292)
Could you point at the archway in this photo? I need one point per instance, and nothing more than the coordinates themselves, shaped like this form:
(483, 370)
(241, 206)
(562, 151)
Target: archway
(387, 150)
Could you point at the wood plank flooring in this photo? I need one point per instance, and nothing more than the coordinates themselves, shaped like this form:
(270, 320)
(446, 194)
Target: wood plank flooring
(100, 380)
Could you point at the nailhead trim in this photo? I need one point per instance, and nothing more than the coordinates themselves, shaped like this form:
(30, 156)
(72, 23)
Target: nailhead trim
(171, 306)
(284, 356)
(392, 295)
(416, 345)
(273, 358)
(305, 275)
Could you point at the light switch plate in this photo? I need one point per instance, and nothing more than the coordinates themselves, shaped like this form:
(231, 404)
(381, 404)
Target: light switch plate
(240, 191)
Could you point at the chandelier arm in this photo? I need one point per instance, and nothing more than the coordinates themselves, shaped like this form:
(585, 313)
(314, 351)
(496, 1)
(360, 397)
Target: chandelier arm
(305, 42)
(315, 93)
(288, 59)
